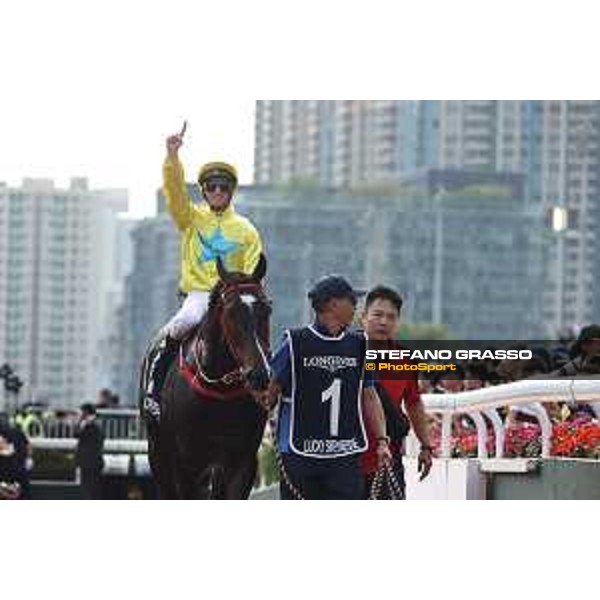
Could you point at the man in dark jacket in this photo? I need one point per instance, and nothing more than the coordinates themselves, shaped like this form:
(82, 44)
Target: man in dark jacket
(381, 320)
(585, 354)
(12, 465)
(89, 454)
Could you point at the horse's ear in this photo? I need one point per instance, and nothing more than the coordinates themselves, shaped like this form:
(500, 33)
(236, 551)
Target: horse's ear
(222, 271)
(261, 268)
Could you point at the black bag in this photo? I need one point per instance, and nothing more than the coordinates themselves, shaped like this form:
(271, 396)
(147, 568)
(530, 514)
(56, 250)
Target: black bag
(397, 423)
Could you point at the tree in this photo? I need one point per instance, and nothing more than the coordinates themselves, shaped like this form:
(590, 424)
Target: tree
(423, 331)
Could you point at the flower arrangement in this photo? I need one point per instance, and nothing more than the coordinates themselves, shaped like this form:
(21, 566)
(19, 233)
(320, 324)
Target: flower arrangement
(577, 437)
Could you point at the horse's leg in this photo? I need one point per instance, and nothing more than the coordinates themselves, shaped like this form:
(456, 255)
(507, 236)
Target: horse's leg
(193, 480)
(185, 481)
(243, 478)
(159, 456)
(162, 446)
(159, 472)
(158, 448)
(210, 484)
(185, 457)
(240, 481)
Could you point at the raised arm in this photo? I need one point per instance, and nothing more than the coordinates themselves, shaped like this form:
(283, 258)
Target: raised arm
(179, 202)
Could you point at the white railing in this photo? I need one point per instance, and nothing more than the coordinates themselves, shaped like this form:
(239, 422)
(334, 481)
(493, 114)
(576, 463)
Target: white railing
(125, 432)
(529, 396)
(117, 424)
(123, 446)
(122, 424)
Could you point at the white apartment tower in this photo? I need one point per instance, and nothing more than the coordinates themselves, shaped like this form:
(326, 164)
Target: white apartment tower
(57, 267)
(338, 143)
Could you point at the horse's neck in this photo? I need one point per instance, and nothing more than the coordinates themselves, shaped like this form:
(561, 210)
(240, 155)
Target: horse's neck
(210, 350)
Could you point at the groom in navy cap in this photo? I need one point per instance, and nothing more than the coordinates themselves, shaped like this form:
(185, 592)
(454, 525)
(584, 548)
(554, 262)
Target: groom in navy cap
(318, 373)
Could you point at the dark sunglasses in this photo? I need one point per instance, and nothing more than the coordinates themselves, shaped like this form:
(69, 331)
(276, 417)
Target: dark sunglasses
(212, 186)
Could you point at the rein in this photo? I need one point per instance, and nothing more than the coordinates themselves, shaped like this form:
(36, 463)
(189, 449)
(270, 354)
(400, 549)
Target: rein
(386, 475)
(383, 475)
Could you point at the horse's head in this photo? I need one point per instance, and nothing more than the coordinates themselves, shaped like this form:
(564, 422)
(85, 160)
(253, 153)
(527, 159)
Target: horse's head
(240, 305)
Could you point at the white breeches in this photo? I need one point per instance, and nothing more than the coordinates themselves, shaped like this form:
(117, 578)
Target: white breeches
(189, 315)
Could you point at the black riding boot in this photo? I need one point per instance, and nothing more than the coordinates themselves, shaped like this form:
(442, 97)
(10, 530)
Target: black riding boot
(167, 351)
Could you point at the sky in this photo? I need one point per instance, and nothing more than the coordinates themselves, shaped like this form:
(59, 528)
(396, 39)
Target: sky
(93, 88)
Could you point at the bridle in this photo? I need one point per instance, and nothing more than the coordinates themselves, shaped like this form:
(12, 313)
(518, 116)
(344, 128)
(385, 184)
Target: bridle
(226, 292)
(234, 381)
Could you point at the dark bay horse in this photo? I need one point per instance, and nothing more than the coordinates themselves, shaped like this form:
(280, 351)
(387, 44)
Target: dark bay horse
(206, 442)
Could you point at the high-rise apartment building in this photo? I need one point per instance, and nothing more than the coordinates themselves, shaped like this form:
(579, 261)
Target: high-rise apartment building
(57, 265)
(555, 145)
(342, 143)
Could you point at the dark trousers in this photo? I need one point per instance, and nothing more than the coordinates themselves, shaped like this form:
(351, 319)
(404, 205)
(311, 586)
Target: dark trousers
(322, 478)
(91, 484)
(398, 470)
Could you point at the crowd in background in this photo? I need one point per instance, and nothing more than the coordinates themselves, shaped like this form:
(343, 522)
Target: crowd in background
(566, 358)
(575, 357)
(29, 421)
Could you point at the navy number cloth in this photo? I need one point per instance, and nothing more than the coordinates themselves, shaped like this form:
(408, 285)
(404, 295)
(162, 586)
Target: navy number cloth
(327, 376)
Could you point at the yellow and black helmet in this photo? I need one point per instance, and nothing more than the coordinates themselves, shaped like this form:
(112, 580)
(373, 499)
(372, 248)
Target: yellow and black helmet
(218, 169)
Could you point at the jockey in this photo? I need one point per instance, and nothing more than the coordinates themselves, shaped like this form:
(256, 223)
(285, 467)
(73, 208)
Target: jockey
(208, 230)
